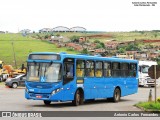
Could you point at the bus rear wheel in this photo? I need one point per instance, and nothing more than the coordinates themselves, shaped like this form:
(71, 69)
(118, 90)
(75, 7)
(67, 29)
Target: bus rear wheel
(78, 98)
(116, 96)
(46, 102)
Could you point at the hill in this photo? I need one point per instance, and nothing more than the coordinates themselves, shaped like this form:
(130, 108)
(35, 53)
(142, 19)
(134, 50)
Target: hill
(22, 47)
(36, 43)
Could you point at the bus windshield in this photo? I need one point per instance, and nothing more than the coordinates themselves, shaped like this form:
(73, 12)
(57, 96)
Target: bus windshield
(145, 69)
(44, 72)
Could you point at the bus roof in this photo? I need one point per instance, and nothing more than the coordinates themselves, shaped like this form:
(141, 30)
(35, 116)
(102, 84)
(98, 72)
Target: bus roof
(86, 56)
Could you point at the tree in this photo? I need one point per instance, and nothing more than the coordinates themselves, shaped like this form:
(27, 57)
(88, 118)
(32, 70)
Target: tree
(46, 36)
(155, 35)
(133, 47)
(103, 45)
(58, 35)
(85, 51)
(74, 38)
(121, 50)
(98, 46)
(96, 41)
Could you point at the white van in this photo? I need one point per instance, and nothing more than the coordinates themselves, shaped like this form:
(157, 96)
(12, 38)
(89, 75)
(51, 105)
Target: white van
(144, 79)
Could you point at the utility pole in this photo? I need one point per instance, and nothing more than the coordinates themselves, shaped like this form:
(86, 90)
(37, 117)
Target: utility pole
(155, 83)
(15, 62)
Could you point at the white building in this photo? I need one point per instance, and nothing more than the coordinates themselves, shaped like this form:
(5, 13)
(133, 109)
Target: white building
(60, 29)
(77, 29)
(45, 30)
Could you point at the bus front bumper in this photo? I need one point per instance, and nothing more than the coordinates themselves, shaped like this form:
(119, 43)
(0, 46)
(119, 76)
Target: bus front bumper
(45, 96)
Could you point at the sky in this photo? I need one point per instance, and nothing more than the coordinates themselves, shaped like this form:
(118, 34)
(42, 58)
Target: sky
(94, 15)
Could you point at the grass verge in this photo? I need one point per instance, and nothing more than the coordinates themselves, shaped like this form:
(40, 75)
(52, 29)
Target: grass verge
(2, 83)
(149, 106)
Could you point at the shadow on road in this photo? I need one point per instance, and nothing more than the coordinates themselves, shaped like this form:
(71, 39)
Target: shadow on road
(86, 103)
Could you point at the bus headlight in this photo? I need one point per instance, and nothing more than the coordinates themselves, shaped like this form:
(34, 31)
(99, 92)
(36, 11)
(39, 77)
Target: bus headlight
(55, 91)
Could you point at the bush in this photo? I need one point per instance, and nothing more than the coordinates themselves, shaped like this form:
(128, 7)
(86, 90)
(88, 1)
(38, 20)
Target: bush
(70, 49)
(158, 99)
(74, 38)
(46, 36)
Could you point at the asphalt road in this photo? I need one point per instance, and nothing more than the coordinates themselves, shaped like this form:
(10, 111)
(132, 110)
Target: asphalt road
(14, 100)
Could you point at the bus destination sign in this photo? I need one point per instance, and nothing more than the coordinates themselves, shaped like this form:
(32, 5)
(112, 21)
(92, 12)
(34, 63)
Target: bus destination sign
(44, 57)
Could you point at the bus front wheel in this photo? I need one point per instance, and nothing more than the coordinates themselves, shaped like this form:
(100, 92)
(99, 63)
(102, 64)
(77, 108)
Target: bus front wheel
(46, 102)
(78, 98)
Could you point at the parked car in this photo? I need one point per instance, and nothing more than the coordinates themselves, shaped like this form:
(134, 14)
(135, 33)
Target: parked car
(19, 80)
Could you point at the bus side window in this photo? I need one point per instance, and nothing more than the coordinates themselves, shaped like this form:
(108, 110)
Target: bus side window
(124, 69)
(116, 69)
(80, 68)
(69, 70)
(68, 73)
(99, 69)
(133, 68)
(90, 68)
(107, 69)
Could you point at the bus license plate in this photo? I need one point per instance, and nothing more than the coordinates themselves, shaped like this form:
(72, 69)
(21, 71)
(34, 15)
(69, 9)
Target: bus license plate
(38, 96)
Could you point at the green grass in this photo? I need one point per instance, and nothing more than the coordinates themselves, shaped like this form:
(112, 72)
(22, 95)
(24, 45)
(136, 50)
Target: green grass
(124, 36)
(2, 83)
(149, 106)
(22, 47)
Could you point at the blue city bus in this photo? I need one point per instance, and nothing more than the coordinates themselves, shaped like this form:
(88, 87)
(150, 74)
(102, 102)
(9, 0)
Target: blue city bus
(65, 77)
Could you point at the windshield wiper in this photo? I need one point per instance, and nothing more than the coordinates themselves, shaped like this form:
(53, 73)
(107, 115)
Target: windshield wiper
(45, 71)
(38, 69)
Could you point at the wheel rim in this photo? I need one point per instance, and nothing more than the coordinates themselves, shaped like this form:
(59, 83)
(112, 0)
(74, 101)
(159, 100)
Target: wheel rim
(77, 98)
(117, 95)
(14, 85)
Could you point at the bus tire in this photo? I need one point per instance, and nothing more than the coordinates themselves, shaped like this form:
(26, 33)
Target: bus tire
(78, 98)
(47, 102)
(116, 96)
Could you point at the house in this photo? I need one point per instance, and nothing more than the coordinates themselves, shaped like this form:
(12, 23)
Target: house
(125, 56)
(154, 55)
(75, 46)
(82, 39)
(141, 55)
(99, 51)
(111, 45)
